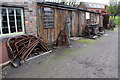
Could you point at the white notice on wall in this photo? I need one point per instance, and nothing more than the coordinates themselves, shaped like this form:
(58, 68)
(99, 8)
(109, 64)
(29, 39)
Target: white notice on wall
(87, 15)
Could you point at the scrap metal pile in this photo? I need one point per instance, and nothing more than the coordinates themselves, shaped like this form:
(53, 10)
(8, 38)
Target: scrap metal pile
(23, 46)
(92, 31)
(62, 39)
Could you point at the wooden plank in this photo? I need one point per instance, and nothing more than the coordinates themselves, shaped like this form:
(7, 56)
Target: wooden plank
(66, 25)
(94, 17)
(71, 23)
(55, 30)
(66, 12)
(45, 35)
(58, 20)
(85, 19)
(46, 32)
(53, 36)
(85, 22)
(77, 29)
(40, 33)
(43, 28)
(49, 35)
(79, 24)
(61, 19)
(75, 21)
(57, 23)
(64, 19)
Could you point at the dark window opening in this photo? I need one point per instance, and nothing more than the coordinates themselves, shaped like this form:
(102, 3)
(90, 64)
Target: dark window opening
(49, 18)
(4, 22)
(19, 29)
(4, 12)
(4, 18)
(18, 12)
(5, 30)
(11, 12)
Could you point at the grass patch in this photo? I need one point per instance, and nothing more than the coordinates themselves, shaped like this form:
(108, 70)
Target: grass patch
(67, 51)
(85, 40)
(116, 28)
(117, 20)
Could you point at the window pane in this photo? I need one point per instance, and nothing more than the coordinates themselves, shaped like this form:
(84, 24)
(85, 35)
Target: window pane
(18, 18)
(4, 12)
(5, 30)
(4, 22)
(12, 20)
(11, 12)
(4, 18)
(19, 26)
(18, 12)
(12, 24)
(19, 29)
(12, 29)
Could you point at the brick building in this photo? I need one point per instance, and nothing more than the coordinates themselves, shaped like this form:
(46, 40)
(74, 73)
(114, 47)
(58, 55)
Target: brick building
(92, 18)
(93, 6)
(18, 18)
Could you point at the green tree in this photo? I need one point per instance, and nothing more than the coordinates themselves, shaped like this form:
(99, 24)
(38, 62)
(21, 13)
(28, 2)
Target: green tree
(112, 9)
(119, 7)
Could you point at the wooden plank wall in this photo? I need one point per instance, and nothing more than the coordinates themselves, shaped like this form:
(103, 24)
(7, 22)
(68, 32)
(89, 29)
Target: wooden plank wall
(83, 25)
(50, 34)
(80, 25)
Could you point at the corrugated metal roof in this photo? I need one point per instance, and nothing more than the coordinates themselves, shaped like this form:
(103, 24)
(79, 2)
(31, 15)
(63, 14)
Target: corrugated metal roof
(61, 6)
(93, 5)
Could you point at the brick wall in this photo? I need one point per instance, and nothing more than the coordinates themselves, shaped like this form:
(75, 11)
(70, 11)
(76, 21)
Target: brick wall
(29, 23)
(30, 18)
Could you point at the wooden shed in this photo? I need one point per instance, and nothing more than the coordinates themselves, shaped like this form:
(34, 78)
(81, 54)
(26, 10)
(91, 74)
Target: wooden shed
(53, 17)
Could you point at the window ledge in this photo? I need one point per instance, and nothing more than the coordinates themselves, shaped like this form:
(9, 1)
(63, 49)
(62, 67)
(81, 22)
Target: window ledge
(11, 35)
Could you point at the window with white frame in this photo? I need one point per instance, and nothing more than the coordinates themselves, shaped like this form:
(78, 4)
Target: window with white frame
(11, 20)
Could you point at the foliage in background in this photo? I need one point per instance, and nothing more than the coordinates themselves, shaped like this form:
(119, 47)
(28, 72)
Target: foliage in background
(112, 9)
(117, 20)
(119, 7)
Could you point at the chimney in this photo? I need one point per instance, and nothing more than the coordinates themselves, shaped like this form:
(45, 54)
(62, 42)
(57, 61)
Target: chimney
(105, 8)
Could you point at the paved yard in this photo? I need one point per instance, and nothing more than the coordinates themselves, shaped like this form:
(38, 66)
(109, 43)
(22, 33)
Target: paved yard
(92, 59)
